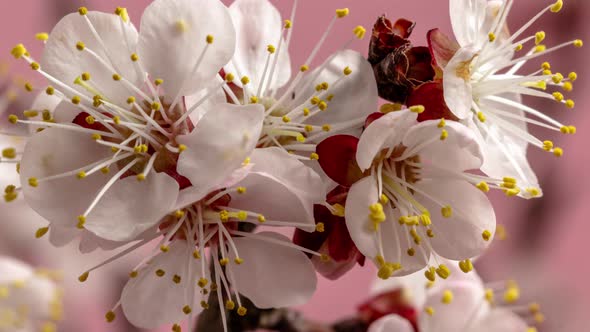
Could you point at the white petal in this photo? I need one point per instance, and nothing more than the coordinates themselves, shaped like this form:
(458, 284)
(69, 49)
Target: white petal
(12, 269)
(214, 96)
(219, 144)
(43, 102)
(273, 275)
(457, 83)
(502, 320)
(149, 301)
(355, 96)
(173, 36)
(280, 187)
(458, 152)
(361, 195)
(385, 132)
(63, 61)
(460, 236)
(55, 151)
(467, 306)
(391, 323)
(467, 17)
(258, 24)
(65, 112)
(413, 286)
(130, 207)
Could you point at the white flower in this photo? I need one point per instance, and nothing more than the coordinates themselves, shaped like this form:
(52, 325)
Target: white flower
(416, 201)
(461, 303)
(110, 158)
(483, 88)
(313, 104)
(29, 300)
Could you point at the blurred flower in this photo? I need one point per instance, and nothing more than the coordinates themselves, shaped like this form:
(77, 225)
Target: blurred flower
(29, 300)
(303, 109)
(461, 303)
(410, 198)
(399, 67)
(483, 89)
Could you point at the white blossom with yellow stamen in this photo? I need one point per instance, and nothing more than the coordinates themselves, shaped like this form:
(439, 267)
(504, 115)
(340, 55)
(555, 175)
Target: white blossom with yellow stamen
(483, 87)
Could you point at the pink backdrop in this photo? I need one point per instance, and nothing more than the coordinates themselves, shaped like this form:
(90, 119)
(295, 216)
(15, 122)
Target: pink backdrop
(547, 237)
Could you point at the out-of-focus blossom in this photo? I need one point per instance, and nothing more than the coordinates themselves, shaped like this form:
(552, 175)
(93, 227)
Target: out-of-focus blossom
(301, 109)
(399, 67)
(483, 86)
(411, 198)
(30, 300)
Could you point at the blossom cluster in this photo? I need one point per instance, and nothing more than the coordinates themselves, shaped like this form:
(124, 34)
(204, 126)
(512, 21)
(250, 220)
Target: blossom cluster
(193, 136)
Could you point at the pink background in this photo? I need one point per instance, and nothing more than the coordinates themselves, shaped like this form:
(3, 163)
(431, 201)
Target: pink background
(547, 239)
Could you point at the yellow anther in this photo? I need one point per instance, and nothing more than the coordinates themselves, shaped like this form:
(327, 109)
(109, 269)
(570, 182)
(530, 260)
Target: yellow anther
(384, 199)
(572, 76)
(28, 87)
(110, 316)
(242, 215)
(417, 109)
(338, 210)
(288, 24)
(160, 273)
(558, 152)
(568, 86)
(322, 106)
(379, 260)
(340, 13)
(315, 100)
(81, 175)
(511, 295)
(9, 153)
(19, 51)
(158, 81)
(481, 117)
(430, 233)
(489, 295)
(430, 274)
(314, 156)
(41, 232)
(447, 297)
(486, 235)
(246, 161)
(134, 57)
(82, 10)
(156, 106)
(238, 261)
(33, 182)
(578, 43)
(564, 130)
(245, 80)
(242, 311)
(300, 138)
(425, 219)
(84, 276)
(483, 187)
(411, 252)
(385, 272)
(131, 100)
(347, 71)
(133, 274)
(105, 170)
(286, 119)
(304, 68)
(447, 211)
(122, 12)
(187, 310)
(444, 134)
(320, 227)
(557, 78)
(306, 113)
(209, 39)
(547, 145)
(539, 318)
(572, 129)
(76, 100)
(90, 120)
(326, 127)
(253, 100)
(81, 222)
(360, 31)
(546, 66)
(308, 128)
(271, 49)
(50, 90)
(570, 103)
(35, 66)
(518, 48)
(539, 37)
(557, 6)
(389, 107)
(42, 36)
(491, 37)
(376, 215)
(176, 328)
(429, 311)
(512, 192)
(534, 308)
(196, 254)
(466, 266)
(540, 48)
(85, 76)
(508, 179)
(443, 271)
(224, 261)
(261, 218)
(547, 72)
(116, 77)
(80, 46)
(558, 96)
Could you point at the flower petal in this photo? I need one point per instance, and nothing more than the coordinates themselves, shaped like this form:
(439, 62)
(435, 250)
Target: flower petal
(355, 96)
(280, 187)
(130, 207)
(431, 96)
(460, 236)
(219, 144)
(258, 24)
(149, 301)
(467, 305)
(173, 35)
(385, 132)
(501, 320)
(457, 83)
(63, 61)
(467, 18)
(391, 323)
(460, 151)
(273, 275)
(53, 152)
(441, 47)
(338, 159)
(214, 95)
